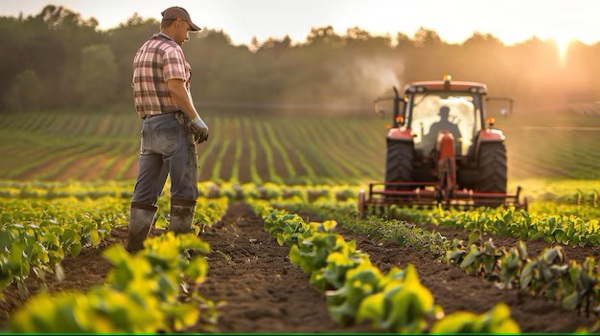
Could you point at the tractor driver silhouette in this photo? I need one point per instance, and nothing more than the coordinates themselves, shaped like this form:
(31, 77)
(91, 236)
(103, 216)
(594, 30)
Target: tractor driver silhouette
(443, 124)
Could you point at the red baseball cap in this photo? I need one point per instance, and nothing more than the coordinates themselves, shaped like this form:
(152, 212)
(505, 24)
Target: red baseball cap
(176, 12)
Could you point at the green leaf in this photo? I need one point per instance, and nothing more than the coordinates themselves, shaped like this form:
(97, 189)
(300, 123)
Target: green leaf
(559, 235)
(474, 236)
(571, 300)
(527, 274)
(522, 248)
(197, 269)
(457, 322)
(371, 309)
(471, 256)
(49, 237)
(454, 256)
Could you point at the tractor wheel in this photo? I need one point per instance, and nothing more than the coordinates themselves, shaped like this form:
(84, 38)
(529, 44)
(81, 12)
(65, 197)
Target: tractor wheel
(492, 172)
(399, 161)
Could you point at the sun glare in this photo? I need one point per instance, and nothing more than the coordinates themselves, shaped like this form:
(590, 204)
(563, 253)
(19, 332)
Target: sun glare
(562, 44)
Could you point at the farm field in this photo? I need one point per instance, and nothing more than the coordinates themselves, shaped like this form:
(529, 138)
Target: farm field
(260, 148)
(63, 171)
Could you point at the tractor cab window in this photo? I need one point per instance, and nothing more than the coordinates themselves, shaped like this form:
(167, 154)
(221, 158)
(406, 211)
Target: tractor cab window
(432, 113)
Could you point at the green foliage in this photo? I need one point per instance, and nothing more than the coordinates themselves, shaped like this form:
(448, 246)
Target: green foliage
(150, 291)
(356, 290)
(45, 223)
(141, 293)
(361, 281)
(575, 224)
(75, 216)
(37, 235)
(285, 227)
(378, 228)
(96, 84)
(497, 320)
(26, 92)
(404, 304)
(548, 274)
(583, 285)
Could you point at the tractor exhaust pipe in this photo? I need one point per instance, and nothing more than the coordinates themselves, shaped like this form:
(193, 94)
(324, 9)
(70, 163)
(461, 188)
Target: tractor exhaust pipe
(396, 107)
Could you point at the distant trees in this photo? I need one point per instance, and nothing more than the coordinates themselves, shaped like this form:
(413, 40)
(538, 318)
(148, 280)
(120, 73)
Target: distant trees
(56, 59)
(27, 92)
(50, 45)
(97, 76)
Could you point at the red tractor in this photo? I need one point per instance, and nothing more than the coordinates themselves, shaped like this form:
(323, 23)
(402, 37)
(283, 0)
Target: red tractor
(441, 149)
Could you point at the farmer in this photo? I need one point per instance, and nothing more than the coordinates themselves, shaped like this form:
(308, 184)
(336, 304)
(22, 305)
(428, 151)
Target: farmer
(444, 124)
(171, 128)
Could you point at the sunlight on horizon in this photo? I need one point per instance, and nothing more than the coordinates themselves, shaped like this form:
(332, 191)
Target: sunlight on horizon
(563, 48)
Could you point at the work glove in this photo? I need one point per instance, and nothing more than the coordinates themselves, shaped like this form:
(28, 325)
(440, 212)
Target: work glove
(199, 129)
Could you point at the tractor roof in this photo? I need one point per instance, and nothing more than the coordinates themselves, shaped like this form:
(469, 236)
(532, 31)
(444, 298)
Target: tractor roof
(446, 85)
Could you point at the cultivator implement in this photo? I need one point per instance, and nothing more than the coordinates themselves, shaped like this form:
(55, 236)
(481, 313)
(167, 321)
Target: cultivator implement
(381, 196)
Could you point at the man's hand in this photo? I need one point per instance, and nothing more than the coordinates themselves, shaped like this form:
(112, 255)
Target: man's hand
(199, 129)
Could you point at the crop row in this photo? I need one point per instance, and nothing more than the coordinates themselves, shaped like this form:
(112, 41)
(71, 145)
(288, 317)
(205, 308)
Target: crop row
(36, 235)
(576, 284)
(563, 225)
(358, 291)
(153, 290)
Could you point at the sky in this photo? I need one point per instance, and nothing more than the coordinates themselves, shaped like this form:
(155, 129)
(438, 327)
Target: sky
(511, 21)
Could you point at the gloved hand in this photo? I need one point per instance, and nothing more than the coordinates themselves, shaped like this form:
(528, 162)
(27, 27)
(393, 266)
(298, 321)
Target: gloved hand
(199, 129)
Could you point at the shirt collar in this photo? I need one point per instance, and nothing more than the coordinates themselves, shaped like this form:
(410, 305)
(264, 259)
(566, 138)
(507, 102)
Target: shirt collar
(161, 34)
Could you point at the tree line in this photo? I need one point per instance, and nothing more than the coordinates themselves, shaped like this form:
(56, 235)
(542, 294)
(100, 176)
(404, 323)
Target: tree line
(58, 60)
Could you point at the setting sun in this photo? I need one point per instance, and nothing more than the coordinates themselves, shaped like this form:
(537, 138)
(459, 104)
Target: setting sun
(562, 45)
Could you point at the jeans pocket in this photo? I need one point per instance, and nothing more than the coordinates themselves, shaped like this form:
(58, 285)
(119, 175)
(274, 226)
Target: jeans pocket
(144, 143)
(167, 138)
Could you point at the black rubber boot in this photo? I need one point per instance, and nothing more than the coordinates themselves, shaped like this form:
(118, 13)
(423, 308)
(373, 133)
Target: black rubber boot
(140, 222)
(182, 215)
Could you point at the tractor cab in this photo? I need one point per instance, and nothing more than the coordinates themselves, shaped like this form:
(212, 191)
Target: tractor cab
(429, 113)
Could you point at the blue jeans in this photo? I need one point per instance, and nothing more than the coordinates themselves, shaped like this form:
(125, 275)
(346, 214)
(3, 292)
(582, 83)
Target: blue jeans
(166, 147)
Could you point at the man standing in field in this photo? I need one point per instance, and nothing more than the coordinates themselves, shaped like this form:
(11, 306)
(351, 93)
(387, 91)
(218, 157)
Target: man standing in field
(171, 128)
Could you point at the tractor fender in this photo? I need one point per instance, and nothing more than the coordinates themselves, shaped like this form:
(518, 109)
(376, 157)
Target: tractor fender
(486, 136)
(400, 134)
(491, 134)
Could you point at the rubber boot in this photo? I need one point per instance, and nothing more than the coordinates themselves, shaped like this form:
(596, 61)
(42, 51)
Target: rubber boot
(182, 215)
(140, 222)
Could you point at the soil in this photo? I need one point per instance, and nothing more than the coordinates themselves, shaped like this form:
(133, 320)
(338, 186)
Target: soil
(260, 290)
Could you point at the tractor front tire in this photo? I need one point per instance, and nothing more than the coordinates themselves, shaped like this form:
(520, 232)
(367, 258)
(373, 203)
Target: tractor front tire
(492, 173)
(399, 162)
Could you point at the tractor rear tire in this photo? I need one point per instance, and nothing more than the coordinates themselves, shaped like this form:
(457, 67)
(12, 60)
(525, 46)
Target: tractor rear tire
(492, 172)
(399, 162)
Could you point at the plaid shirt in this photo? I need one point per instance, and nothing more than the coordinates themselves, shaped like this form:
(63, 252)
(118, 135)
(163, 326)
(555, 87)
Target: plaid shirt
(157, 61)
